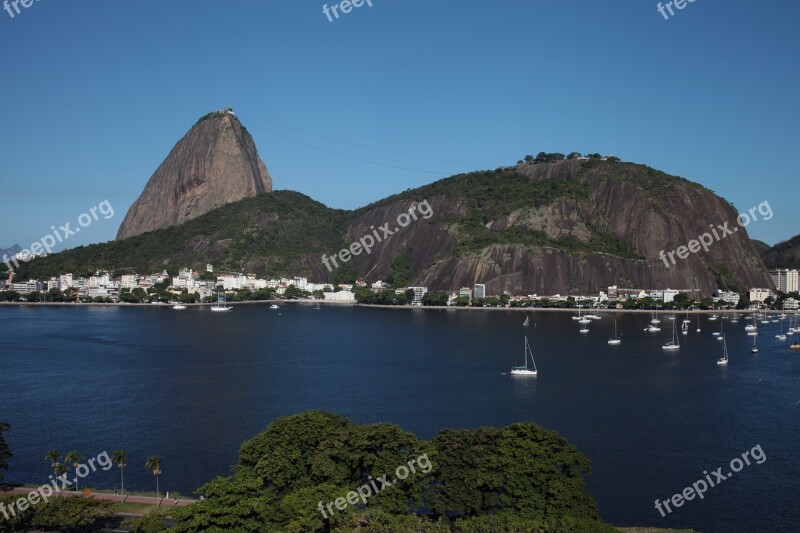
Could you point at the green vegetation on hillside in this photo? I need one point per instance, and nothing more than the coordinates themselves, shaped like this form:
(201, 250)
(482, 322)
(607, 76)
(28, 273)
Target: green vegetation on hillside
(278, 228)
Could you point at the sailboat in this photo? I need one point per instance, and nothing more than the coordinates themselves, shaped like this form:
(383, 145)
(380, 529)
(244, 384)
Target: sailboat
(780, 336)
(582, 319)
(524, 370)
(220, 305)
(754, 349)
(673, 344)
(655, 319)
(724, 359)
(735, 318)
(317, 307)
(685, 328)
(698, 323)
(765, 320)
(527, 321)
(713, 317)
(686, 320)
(751, 328)
(616, 340)
(718, 333)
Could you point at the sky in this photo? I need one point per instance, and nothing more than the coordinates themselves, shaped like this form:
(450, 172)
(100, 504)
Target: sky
(393, 96)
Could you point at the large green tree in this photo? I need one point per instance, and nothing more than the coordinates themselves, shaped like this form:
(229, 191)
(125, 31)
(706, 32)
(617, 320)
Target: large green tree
(519, 478)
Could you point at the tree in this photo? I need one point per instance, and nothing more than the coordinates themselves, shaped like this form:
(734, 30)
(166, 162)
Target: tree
(400, 271)
(5, 452)
(574, 155)
(435, 298)
(54, 456)
(72, 514)
(529, 159)
(74, 458)
(153, 464)
(120, 457)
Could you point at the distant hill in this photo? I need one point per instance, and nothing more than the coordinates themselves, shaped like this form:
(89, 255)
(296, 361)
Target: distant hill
(567, 226)
(785, 254)
(10, 251)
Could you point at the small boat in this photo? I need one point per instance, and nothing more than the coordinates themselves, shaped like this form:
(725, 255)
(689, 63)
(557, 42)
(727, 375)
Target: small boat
(273, 306)
(655, 319)
(674, 344)
(582, 319)
(780, 336)
(698, 323)
(795, 346)
(751, 327)
(652, 329)
(722, 361)
(685, 328)
(686, 320)
(713, 317)
(220, 305)
(754, 349)
(316, 308)
(527, 321)
(735, 319)
(524, 370)
(765, 320)
(584, 330)
(616, 340)
(179, 307)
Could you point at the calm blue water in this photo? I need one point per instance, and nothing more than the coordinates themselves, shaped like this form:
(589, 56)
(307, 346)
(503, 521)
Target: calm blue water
(190, 386)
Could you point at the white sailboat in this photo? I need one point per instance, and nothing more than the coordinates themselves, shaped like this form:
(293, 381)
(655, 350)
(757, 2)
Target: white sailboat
(582, 319)
(754, 349)
(698, 323)
(780, 336)
(655, 319)
(179, 306)
(220, 305)
(765, 320)
(686, 320)
(713, 317)
(724, 359)
(735, 318)
(274, 306)
(616, 340)
(719, 335)
(524, 370)
(751, 327)
(527, 321)
(674, 344)
(685, 328)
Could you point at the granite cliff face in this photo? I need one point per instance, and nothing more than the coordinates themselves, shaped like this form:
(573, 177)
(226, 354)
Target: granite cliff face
(605, 224)
(214, 164)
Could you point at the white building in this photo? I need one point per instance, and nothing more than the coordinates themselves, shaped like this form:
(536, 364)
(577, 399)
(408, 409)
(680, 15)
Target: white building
(230, 282)
(64, 281)
(790, 304)
(465, 292)
(419, 293)
(728, 297)
(669, 295)
(341, 296)
(480, 291)
(27, 287)
(128, 281)
(785, 280)
(760, 295)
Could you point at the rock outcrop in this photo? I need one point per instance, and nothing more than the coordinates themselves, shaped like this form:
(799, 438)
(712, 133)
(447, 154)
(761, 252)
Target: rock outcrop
(214, 164)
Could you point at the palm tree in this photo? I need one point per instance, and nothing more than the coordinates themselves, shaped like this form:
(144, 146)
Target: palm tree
(54, 456)
(74, 458)
(154, 463)
(60, 471)
(120, 457)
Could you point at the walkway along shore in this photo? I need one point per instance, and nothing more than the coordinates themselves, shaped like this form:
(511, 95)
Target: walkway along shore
(160, 502)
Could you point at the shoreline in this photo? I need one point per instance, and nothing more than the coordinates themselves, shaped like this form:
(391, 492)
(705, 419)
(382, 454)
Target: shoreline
(721, 313)
(740, 312)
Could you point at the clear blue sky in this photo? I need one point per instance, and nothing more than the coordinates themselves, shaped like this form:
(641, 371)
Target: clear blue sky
(96, 93)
